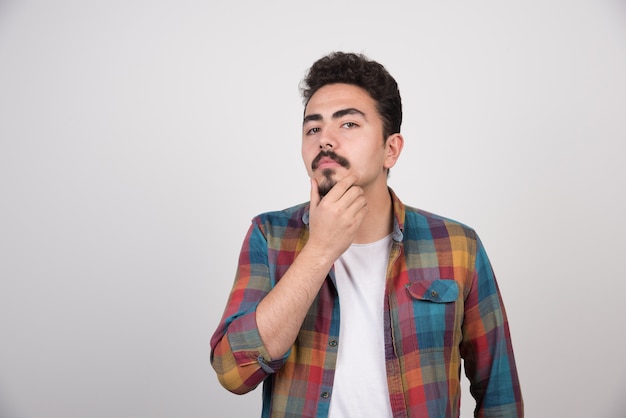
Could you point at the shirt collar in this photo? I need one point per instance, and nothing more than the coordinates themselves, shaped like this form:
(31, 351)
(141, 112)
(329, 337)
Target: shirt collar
(398, 217)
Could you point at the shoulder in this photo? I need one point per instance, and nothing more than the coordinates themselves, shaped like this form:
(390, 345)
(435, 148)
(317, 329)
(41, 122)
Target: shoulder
(296, 211)
(279, 222)
(420, 223)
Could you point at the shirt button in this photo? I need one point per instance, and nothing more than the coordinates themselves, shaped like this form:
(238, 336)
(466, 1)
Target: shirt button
(332, 343)
(434, 294)
(325, 395)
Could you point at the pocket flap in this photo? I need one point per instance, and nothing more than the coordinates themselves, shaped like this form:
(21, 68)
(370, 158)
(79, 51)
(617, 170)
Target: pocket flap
(438, 290)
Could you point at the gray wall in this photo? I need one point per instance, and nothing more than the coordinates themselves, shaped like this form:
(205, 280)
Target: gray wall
(138, 139)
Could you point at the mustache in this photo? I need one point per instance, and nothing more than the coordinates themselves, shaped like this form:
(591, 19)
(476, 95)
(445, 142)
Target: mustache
(333, 156)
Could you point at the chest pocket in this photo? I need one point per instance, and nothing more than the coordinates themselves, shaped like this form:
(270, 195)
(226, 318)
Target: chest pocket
(434, 312)
(438, 291)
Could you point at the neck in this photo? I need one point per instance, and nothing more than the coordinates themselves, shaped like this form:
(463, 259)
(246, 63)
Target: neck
(378, 222)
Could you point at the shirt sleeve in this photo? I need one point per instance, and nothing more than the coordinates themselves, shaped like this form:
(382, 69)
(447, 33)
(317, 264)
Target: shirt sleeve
(238, 354)
(486, 348)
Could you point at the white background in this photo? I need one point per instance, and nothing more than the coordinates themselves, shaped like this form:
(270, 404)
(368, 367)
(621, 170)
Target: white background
(138, 139)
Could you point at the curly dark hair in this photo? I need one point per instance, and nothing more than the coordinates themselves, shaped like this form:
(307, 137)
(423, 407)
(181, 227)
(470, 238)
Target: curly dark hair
(358, 70)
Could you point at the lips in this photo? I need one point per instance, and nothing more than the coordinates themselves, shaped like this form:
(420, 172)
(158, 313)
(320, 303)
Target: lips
(329, 159)
(325, 162)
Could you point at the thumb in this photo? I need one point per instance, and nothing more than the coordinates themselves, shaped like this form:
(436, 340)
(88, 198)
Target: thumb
(315, 194)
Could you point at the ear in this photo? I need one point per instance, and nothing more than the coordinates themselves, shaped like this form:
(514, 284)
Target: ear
(393, 148)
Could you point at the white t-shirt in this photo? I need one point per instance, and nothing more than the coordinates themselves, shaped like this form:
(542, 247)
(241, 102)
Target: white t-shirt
(360, 385)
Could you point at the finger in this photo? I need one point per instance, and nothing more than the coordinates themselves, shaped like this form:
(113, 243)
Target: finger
(354, 200)
(315, 194)
(343, 185)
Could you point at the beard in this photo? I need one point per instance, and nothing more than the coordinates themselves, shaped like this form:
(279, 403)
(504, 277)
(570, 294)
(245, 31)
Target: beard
(328, 173)
(328, 182)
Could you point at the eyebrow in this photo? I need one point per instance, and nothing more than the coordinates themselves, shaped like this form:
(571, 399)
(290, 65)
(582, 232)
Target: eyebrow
(338, 114)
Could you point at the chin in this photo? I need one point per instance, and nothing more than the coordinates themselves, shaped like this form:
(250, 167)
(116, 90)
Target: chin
(327, 182)
(325, 187)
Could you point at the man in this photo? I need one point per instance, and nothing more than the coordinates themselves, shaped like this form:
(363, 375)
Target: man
(353, 304)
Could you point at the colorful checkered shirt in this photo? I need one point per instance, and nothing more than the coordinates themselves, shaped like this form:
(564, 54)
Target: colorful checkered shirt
(442, 304)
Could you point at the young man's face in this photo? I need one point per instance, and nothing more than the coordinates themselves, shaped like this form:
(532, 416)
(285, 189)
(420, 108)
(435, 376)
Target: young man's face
(342, 132)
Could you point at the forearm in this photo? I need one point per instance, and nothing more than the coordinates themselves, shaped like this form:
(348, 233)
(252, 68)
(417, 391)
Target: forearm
(250, 343)
(333, 224)
(280, 314)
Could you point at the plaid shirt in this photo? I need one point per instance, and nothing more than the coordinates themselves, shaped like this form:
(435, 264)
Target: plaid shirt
(442, 304)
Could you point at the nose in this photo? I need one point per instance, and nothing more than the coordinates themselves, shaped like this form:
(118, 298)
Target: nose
(327, 140)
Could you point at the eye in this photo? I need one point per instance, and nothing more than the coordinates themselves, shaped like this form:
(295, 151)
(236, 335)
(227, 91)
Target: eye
(349, 125)
(313, 131)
